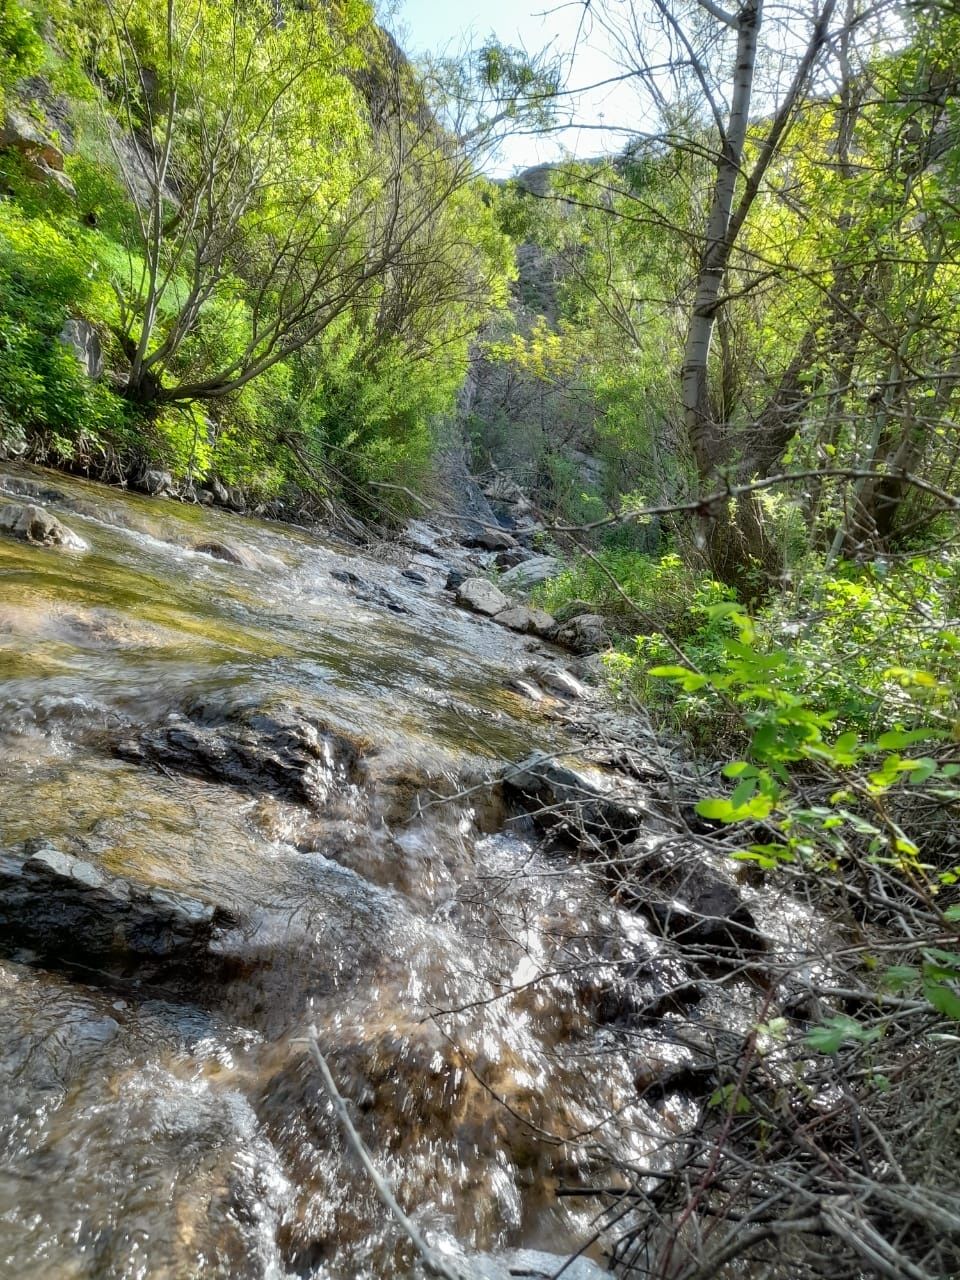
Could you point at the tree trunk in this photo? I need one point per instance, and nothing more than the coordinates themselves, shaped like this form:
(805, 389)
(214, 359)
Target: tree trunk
(704, 433)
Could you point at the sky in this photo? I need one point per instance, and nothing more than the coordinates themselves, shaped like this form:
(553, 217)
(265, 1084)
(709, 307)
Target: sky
(437, 26)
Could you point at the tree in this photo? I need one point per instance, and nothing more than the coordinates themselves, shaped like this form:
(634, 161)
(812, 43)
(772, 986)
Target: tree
(284, 169)
(788, 163)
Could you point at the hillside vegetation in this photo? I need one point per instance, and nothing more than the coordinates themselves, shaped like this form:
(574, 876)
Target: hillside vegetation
(256, 217)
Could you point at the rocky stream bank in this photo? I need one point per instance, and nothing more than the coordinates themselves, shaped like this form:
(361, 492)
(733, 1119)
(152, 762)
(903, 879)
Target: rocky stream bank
(255, 781)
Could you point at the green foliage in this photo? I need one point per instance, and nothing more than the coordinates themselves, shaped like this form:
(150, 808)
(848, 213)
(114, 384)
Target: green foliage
(21, 49)
(358, 389)
(847, 737)
(45, 276)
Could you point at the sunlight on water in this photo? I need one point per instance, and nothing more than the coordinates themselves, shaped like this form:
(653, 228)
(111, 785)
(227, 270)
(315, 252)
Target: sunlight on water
(154, 1131)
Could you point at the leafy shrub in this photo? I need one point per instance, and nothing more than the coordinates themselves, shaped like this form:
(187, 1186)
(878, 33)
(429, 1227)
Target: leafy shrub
(21, 49)
(45, 276)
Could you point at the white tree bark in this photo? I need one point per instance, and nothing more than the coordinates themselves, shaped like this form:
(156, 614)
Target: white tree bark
(701, 429)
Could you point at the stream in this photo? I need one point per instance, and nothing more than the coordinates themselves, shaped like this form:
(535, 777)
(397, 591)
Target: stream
(300, 741)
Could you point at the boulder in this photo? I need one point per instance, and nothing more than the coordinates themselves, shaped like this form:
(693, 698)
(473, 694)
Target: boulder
(229, 552)
(220, 492)
(22, 487)
(482, 596)
(80, 337)
(67, 910)
(456, 578)
(531, 572)
(568, 803)
(275, 749)
(43, 157)
(490, 540)
(511, 557)
(586, 633)
(557, 680)
(35, 524)
(526, 620)
(687, 897)
(158, 483)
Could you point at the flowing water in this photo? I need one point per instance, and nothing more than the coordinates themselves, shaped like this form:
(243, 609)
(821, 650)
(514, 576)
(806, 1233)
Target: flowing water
(152, 1129)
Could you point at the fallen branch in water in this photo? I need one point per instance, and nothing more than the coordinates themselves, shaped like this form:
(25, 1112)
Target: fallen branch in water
(433, 1265)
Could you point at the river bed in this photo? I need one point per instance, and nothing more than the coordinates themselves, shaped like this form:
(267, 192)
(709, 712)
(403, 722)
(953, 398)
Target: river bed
(448, 964)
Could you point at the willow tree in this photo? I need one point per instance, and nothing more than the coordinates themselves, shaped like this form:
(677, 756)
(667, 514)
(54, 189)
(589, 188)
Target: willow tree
(284, 167)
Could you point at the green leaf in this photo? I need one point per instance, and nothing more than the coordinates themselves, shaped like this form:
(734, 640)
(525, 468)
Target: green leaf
(743, 792)
(897, 738)
(925, 768)
(836, 1031)
(738, 768)
(944, 999)
(718, 809)
(670, 673)
(899, 976)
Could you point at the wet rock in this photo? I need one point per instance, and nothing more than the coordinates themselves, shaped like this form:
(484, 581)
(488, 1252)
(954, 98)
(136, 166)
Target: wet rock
(456, 578)
(80, 337)
(277, 750)
(369, 592)
(570, 805)
(220, 492)
(591, 669)
(511, 558)
(557, 680)
(30, 523)
(413, 575)
(228, 552)
(504, 489)
(531, 572)
(67, 910)
(159, 484)
(22, 487)
(490, 540)
(526, 688)
(236, 499)
(637, 989)
(535, 1265)
(585, 633)
(527, 620)
(481, 596)
(687, 897)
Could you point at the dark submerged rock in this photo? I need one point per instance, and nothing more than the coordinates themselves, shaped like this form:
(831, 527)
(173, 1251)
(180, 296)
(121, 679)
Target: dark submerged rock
(66, 910)
(564, 801)
(687, 898)
(490, 540)
(369, 592)
(276, 750)
(228, 552)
